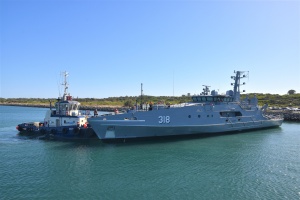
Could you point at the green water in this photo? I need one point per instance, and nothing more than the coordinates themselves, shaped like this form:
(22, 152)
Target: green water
(261, 164)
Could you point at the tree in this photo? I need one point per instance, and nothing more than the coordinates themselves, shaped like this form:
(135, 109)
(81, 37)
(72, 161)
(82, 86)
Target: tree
(128, 103)
(291, 92)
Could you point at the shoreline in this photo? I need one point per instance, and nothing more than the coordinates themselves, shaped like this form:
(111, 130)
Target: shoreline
(287, 115)
(292, 116)
(103, 108)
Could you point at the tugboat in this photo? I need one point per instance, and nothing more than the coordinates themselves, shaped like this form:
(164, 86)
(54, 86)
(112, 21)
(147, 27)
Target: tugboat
(208, 113)
(64, 122)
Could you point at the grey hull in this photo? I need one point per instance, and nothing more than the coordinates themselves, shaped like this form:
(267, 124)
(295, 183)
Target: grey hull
(206, 114)
(119, 129)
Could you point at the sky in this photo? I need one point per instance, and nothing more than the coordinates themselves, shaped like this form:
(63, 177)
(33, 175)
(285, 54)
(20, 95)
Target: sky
(172, 47)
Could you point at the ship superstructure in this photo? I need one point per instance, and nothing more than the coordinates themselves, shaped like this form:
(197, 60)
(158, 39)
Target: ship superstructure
(207, 113)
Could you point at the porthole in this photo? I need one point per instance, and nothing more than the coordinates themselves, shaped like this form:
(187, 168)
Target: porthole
(189, 116)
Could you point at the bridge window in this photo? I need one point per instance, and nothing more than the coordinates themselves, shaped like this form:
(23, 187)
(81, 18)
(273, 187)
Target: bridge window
(230, 114)
(209, 99)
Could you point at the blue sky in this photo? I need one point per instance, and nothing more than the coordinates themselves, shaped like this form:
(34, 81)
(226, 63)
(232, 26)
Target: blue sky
(173, 47)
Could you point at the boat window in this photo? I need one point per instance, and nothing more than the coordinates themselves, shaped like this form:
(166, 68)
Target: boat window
(199, 116)
(189, 116)
(61, 107)
(209, 99)
(238, 114)
(194, 98)
(230, 114)
(198, 98)
(227, 99)
(203, 98)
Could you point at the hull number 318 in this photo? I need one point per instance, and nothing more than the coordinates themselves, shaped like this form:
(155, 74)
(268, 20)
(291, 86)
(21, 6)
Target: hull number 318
(164, 119)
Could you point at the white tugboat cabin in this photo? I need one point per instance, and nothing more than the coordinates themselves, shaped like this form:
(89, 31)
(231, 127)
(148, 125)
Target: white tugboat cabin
(64, 121)
(66, 112)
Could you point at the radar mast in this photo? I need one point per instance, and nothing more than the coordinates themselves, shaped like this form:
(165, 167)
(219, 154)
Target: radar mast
(205, 90)
(65, 84)
(237, 82)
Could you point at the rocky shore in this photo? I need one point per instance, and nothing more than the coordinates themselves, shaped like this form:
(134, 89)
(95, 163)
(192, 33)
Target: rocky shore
(287, 115)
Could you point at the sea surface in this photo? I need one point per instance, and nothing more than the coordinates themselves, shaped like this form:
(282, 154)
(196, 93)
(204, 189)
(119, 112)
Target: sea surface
(262, 164)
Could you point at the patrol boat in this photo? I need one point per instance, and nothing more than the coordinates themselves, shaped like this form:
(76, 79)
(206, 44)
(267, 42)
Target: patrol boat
(65, 121)
(207, 113)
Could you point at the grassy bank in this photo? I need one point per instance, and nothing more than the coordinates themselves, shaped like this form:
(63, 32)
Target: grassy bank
(273, 100)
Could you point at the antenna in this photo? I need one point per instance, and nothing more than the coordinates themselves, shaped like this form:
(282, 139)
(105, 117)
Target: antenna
(173, 82)
(141, 93)
(65, 84)
(205, 90)
(236, 89)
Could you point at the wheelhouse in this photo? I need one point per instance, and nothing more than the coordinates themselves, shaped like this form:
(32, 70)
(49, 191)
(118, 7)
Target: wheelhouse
(210, 99)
